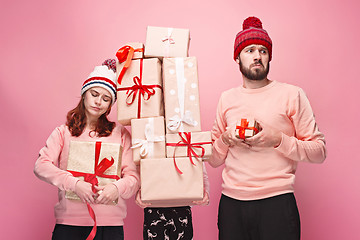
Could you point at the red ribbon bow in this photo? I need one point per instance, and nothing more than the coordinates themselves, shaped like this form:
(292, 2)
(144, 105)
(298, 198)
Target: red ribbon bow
(99, 169)
(146, 91)
(244, 124)
(186, 141)
(125, 54)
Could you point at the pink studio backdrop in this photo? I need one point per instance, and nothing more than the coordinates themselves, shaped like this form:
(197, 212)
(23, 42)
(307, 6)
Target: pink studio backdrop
(48, 48)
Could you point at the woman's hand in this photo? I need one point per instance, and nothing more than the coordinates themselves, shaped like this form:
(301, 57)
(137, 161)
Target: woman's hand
(84, 191)
(139, 202)
(107, 194)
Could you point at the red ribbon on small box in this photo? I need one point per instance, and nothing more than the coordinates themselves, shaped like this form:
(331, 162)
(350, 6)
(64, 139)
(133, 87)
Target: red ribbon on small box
(146, 91)
(125, 54)
(244, 124)
(99, 169)
(186, 141)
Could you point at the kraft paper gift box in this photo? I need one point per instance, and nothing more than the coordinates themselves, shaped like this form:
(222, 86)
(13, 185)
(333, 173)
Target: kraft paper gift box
(148, 138)
(94, 159)
(140, 93)
(136, 49)
(163, 186)
(246, 128)
(181, 95)
(167, 42)
(184, 144)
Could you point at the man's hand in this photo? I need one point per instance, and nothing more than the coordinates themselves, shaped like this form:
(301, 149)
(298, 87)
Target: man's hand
(267, 137)
(228, 137)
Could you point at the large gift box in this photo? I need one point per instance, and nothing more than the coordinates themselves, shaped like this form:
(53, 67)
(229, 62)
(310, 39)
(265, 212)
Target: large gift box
(181, 95)
(167, 42)
(95, 162)
(140, 93)
(148, 138)
(192, 144)
(246, 128)
(163, 186)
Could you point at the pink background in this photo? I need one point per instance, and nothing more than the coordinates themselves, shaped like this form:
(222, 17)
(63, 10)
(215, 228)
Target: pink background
(48, 48)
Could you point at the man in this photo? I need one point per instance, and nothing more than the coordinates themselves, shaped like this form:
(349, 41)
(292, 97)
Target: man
(257, 199)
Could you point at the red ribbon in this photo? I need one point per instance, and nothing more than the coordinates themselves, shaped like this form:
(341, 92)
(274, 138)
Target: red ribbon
(99, 169)
(146, 91)
(186, 141)
(125, 54)
(244, 124)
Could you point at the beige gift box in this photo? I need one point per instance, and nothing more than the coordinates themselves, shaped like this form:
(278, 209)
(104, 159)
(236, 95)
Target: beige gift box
(148, 138)
(139, 49)
(181, 95)
(163, 186)
(167, 42)
(82, 161)
(246, 128)
(199, 142)
(140, 94)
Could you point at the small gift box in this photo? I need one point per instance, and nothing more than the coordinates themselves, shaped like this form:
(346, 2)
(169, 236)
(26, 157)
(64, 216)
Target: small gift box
(163, 186)
(246, 128)
(140, 92)
(148, 138)
(189, 144)
(95, 162)
(181, 95)
(166, 42)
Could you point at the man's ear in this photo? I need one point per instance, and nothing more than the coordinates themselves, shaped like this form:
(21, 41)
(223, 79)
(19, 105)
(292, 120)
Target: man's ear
(237, 60)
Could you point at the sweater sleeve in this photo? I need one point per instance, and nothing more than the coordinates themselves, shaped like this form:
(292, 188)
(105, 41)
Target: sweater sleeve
(308, 144)
(219, 149)
(46, 166)
(129, 182)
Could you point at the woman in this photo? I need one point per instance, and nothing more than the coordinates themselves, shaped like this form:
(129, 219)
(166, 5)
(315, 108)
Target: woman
(88, 123)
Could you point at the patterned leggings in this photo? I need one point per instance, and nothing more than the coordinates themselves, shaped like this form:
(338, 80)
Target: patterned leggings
(171, 223)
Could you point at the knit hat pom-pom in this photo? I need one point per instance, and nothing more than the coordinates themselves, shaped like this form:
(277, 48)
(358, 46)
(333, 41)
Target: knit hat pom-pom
(110, 63)
(252, 22)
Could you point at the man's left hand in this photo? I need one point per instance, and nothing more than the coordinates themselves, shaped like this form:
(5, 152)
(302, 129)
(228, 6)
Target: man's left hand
(267, 137)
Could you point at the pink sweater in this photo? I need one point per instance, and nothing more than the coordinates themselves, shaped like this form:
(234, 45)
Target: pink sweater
(51, 165)
(258, 173)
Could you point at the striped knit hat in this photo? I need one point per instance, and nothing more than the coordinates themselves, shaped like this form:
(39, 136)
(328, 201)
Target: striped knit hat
(252, 33)
(103, 76)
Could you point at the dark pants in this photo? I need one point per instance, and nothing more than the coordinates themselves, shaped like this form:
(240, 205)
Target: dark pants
(168, 223)
(67, 232)
(274, 218)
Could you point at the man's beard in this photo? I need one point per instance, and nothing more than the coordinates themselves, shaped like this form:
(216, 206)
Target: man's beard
(257, 74)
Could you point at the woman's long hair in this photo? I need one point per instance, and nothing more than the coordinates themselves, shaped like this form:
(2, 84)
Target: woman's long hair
(76, 121)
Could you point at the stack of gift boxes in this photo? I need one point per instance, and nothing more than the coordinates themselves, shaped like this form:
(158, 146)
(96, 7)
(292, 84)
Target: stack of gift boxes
(158, 95)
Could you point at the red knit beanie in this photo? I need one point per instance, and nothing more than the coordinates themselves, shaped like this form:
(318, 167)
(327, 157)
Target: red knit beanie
(252, 33)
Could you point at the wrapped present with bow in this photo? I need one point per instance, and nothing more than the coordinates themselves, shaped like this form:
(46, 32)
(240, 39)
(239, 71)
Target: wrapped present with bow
(98, 163)
(181, 95)
(189, 144)
(148, 138)
(246, 128)
(139, 91)
(163, 186)
(167, 42)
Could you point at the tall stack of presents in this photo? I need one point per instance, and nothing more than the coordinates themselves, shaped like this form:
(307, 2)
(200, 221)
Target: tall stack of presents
(158, 95)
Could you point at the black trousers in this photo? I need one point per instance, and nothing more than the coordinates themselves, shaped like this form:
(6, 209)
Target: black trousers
(168, 223)
(274, 218)
(68, 232)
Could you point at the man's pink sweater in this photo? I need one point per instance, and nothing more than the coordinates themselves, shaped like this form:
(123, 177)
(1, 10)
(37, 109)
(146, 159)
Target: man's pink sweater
(51, 166)
(256, 172)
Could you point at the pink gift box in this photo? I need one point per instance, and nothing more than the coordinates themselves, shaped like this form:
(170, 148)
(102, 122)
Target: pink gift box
(163, 186)
(181, 95)
(140, 94)
(148, 138)
(166, 42)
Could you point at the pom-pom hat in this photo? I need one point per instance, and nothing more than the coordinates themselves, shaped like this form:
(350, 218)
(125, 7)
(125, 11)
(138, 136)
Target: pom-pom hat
(103, 76)
(252, 33)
